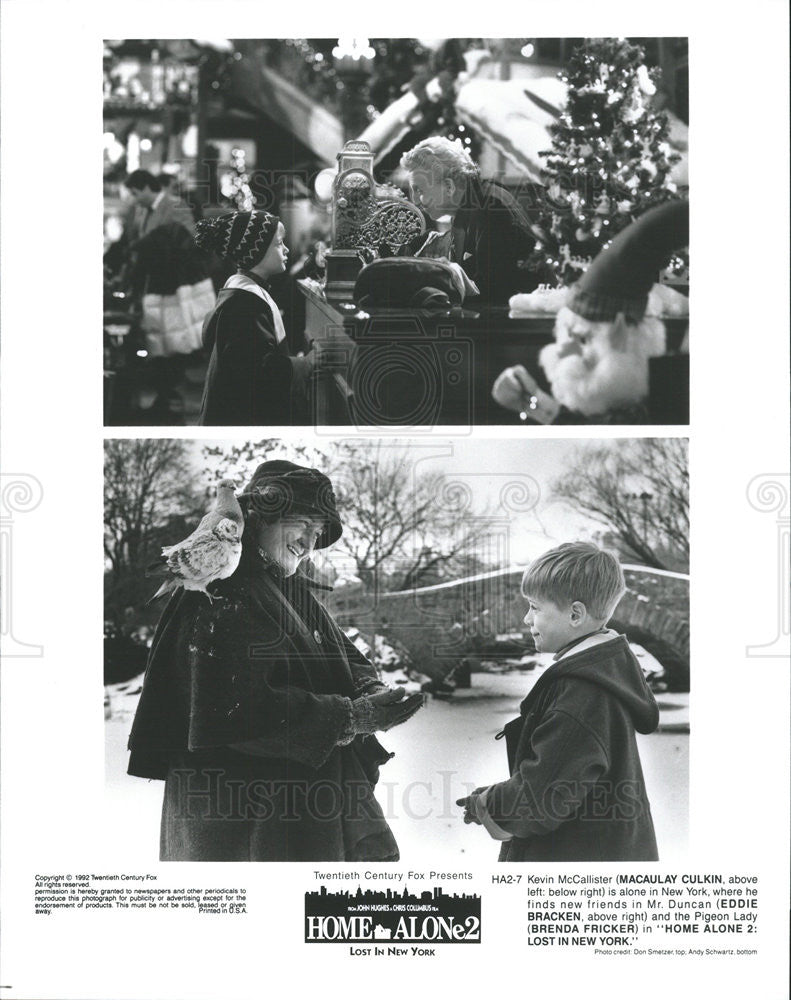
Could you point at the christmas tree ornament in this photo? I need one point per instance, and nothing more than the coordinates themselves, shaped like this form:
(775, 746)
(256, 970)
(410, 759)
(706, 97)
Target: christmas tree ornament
(635, 109)
(645, 82)
(603, 207)
(649, 166)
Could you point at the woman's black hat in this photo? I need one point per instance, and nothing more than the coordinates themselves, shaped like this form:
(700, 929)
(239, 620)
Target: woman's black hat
(282, 489)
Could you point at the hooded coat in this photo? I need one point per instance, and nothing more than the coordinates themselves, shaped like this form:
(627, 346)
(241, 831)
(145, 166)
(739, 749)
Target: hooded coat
(576, 791)
(245, 703)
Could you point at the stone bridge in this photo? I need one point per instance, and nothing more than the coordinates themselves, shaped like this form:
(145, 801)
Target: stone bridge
(441, 623)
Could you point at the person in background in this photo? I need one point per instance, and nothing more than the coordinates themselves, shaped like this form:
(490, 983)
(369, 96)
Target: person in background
(168, 281)
(154, 206)
(252, 378)
(489, 234)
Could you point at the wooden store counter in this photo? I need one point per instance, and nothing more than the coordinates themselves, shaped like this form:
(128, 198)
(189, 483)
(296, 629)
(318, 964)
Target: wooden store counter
(409, 368)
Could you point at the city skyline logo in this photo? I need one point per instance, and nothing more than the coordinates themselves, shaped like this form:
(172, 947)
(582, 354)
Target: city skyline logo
(392, 917)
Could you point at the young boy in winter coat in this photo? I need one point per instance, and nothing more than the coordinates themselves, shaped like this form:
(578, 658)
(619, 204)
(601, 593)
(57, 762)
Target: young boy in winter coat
(576, 791)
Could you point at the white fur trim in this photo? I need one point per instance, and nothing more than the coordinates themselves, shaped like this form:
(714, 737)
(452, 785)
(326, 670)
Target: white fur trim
(611, 378)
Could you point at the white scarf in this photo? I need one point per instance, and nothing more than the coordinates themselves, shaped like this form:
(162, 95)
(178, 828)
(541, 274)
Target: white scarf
(248, 285)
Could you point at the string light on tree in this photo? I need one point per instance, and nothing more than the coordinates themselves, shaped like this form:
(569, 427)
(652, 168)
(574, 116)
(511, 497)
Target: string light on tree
(235, 184)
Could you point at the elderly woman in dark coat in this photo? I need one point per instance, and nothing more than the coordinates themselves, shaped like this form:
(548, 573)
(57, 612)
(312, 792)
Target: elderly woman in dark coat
(257, 711)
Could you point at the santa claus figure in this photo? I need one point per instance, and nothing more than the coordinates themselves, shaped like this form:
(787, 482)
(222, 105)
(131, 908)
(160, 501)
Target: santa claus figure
(598, 366)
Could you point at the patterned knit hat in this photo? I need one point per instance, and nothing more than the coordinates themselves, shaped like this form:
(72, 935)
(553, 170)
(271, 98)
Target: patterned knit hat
(620, 278)
(242, 237)
(282, 489)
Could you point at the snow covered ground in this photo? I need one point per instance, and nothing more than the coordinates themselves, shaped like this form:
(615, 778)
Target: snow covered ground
(446, 749)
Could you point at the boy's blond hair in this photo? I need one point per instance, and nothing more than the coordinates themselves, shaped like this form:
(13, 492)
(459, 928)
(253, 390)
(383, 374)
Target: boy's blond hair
(577, 571)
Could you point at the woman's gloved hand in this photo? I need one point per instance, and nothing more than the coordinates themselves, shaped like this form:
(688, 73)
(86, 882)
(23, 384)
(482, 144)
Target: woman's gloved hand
(380, 712)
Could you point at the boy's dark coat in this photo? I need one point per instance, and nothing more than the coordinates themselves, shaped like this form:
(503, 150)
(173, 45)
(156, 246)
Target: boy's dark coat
(576, 791)
(251, 379)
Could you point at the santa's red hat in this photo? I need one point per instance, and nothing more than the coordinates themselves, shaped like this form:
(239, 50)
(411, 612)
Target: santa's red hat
(620, 278)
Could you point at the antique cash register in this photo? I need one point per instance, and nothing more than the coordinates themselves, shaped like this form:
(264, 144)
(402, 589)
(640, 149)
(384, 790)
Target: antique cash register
(368, 220)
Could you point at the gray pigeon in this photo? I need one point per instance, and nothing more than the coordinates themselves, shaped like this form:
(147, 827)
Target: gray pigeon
(211, 552)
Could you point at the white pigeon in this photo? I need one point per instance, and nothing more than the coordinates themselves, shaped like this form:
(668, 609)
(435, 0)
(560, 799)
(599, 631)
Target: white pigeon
(211, 552)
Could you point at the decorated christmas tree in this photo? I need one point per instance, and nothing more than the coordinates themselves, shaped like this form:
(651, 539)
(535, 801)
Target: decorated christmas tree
(610, 158)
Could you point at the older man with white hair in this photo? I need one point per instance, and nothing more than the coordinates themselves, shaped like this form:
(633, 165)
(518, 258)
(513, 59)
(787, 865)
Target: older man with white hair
(488, 234)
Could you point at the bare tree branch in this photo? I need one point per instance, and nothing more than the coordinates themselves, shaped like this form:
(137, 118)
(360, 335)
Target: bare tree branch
(640, 491)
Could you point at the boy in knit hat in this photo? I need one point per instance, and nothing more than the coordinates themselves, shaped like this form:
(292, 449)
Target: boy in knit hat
(252, 378)
(576, 790)
(599, 364)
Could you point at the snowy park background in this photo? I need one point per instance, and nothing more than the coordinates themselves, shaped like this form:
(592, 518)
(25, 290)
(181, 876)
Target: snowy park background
(445, 750)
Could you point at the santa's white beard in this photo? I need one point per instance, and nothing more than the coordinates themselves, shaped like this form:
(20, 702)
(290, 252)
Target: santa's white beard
(617, 378)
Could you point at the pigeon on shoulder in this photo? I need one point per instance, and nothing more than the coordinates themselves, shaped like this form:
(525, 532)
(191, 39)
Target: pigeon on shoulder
(211, 552)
